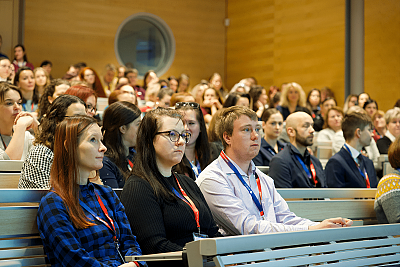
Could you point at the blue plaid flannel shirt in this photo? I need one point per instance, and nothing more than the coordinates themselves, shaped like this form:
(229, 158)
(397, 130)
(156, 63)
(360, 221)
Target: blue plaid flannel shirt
(67, 246)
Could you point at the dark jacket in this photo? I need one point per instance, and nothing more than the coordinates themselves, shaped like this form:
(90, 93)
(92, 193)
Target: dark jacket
(287, 171)
(266, 153)
(342, 171)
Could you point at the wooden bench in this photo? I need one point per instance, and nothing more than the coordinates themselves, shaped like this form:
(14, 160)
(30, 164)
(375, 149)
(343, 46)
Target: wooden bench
(319, 204)
(20, 243)
(350, 246)
(10, 171)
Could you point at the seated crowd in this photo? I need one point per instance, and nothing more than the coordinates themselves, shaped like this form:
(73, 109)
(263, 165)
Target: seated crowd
(185, 158)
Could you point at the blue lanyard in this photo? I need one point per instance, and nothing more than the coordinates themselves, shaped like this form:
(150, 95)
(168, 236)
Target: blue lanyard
(271, 151)
(363, 174)
(24, 107)
(253, 196)
(196, 169)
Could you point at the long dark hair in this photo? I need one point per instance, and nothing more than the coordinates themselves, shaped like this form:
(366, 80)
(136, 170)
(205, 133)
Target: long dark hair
(55, 114)
(115, 116)
(202, 146)
(23, 49)
(145, 165)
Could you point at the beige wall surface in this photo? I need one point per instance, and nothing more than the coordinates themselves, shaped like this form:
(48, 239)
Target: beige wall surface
(382, 51)
(287, 41)
(66, 32)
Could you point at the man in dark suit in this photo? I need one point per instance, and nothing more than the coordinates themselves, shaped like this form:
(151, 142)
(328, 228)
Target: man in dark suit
(348, 167)
(294, 166)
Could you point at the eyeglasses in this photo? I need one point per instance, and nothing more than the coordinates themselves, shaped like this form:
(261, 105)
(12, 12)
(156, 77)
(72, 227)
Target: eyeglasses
(187, 104)
(174, 135)
(90, 108)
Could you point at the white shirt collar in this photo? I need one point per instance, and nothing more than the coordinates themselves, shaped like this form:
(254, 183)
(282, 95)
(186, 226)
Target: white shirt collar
(390, 136)
(354, 152)
(227, 169)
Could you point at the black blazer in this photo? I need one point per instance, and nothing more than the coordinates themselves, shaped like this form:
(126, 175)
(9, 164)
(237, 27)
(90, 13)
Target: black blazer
(264, 156)
(341, 171)
(287, 171)
(383, 145)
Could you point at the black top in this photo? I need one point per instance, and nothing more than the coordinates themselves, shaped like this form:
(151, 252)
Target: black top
(288, 172)
(317, 118)
(266, 153)
(162, 226)
(383, 144)
(342, 171)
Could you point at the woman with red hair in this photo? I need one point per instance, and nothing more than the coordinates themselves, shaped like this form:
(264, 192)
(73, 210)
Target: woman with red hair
(90, 76)
(87, 95)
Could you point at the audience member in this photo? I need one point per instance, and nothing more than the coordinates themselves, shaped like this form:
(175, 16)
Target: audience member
(150, 78)
(197, 151)
(12, 74)
(198, 91)
(242, 198)
(183, 83)
(121, 71)
(325, 93)
(351, 101)
(370, 106)
(348, 167)
(81, 223)
(56, 88)
(42, 79)
(109, 78)
(275, 100)
(120, 125)
(313, 104)
(25, 80)
(90, 76)
(173, 83)
(35, 172)
(131, 75)
(392, 118)
(163, 83)
(16, 141)
(164, 97)
(397, 104)
(272, 124)
(370, 151)
(47, 66)
(362, 98)
(87, 95)
(378, 119)
(259, 98)
(292, 98)
(123, 92)
(216, 145)
(332, 124)
(5, 69)
(387, 199)
(326, 105)
(294, 166)
(240, 88)
(181, 97)
(156, 199)
(20, 58)
(237, 99)
(212, 102)
(216, 82)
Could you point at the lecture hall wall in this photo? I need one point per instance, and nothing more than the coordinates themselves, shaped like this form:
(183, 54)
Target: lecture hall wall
(275, 41)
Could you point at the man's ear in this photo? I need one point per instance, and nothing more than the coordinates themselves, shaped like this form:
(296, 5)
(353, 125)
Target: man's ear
(291, 132)
(357, 133)
(122, 129)
(227, 138)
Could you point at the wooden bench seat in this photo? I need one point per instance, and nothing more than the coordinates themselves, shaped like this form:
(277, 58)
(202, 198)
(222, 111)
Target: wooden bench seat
(20, 243)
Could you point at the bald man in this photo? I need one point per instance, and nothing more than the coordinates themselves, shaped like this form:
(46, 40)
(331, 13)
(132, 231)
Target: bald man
(294, 166)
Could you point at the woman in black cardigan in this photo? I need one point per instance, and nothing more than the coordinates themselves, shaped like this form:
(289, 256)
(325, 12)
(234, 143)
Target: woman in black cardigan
(161, 205)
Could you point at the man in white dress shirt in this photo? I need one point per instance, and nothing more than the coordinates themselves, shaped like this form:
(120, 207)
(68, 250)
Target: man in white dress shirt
(242, 198)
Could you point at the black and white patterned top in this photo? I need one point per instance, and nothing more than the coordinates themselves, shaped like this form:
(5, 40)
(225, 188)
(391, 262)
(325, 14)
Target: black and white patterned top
(35, 172)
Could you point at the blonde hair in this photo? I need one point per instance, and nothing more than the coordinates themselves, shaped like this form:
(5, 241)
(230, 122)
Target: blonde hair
(285, 89)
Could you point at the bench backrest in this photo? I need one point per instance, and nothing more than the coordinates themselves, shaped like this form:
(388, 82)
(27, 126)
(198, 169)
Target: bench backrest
(319, 204)
(352, 246)
(20, 243)
(12, 166)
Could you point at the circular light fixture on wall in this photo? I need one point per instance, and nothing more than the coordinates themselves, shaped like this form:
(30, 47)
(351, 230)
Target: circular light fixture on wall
(145, 42)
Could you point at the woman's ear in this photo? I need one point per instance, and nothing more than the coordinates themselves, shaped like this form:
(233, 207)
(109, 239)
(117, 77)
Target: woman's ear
(122, 129)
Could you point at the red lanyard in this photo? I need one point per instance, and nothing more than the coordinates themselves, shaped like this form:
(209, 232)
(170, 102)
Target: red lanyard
(260, 193)
(108, 217)
(313, 173)
(188, 201)
(130, 163)
(365, 174)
